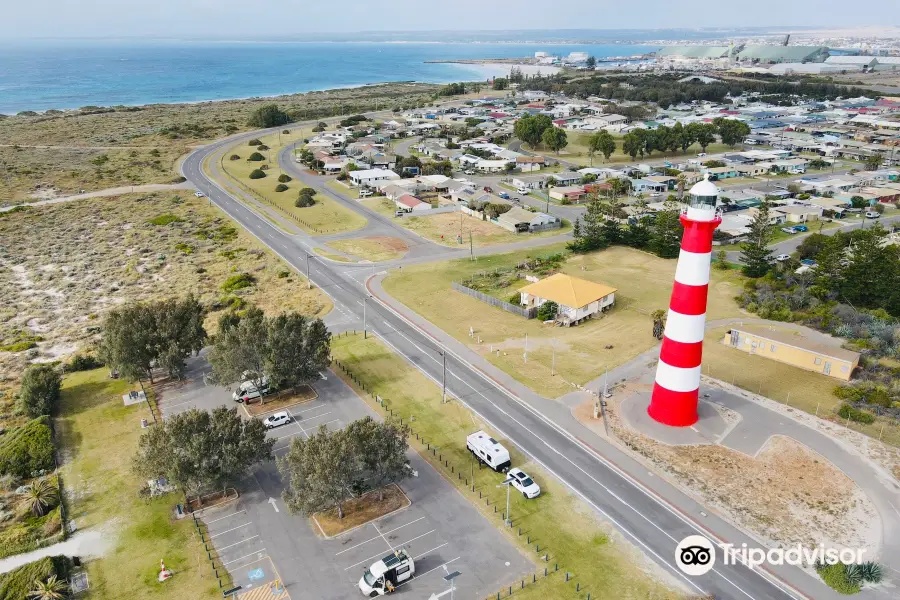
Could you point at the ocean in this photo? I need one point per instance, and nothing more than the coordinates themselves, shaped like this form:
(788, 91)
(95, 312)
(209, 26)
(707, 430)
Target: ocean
(40, 75)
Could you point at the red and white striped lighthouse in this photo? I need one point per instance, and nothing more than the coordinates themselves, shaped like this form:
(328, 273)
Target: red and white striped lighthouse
(675, 393)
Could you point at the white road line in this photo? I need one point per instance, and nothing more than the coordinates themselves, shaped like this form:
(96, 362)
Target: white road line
(375, 538)
(430, 570)
(230, 530)
(429, 551)
(365, 560)
(382, 536)
(208, 523)
(257, 553)
(222, 549)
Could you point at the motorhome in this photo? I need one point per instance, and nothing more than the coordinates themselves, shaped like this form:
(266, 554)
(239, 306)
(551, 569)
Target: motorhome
(489, 451)
(247, 391)
(385, 575)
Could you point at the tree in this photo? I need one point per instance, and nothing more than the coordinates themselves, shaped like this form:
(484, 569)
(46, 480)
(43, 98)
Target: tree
(873, 162)
(49, 589)
(703, 133)
(382, 449)
(39, 392)
(635, 143)
(755, 253)
(665, 233)
(732, 131)
(201, 450)
(554, 138)
(268, 115)
(547, 311)
(257, 174)
(591, 62)
(870, 277)
(179, 330)
(722, 260)
(602, 142)
(530, 128)
(240, 350)
(299, 349)
(306, 197)
(501, 83)
(659, 323)
(323, 471)
(588, 234)
(38, 497)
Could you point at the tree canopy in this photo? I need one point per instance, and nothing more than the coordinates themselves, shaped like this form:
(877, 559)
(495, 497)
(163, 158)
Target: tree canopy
(530, 128)
(554, 138)
(40, 390)
(268, 115)
(755, 253)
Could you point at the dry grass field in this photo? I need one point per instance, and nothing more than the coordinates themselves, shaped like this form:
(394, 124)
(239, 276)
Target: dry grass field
(374, 248)
(63, 266)
(575, 355)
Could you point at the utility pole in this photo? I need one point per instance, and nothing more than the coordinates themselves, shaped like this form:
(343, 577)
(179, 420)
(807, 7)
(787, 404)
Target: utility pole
(444, 376)
(471, 247)
(365, 303)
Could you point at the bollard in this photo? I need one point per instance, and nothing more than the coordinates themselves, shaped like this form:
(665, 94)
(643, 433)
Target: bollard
(458, 476)
(546, 557)
(577, 587)
(555, 567)
(520, 532)
(479, 494)
(452, 469)
(537, 547)
(529, 540)
(523, 585)
(534, 578)
(495, 509)
(567, 576)
(510, 590)
(589, 596)
(545, 571)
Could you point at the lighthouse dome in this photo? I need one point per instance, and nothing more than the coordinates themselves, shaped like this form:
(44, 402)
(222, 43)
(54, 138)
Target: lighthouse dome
(704, 188)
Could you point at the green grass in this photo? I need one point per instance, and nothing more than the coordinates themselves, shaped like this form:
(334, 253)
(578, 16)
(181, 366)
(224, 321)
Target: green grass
(804, 390)
(165, 219)
(565, 528)
(643, 286)
(98, 436)
(326, 216)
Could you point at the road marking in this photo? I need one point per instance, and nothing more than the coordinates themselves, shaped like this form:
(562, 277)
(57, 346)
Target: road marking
(375, 538)
(257, 553)
(430, 570)
(382, 536)
(208, 523)
(365, 560)
(230, 530)
(429, 551)
(222, 549)
(274, 504)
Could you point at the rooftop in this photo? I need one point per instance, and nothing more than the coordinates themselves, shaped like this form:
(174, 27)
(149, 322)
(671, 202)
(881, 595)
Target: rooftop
(569, 291)
(798, 340)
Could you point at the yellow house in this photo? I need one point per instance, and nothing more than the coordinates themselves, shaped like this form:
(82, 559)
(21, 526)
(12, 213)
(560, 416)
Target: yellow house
(577, 299)
(794, 350)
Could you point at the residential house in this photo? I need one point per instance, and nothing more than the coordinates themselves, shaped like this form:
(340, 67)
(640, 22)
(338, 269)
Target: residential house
(576, 299)
(566, 178)
(720, 172)
(799, 214)
(369, 177)
(775, 217)
(794, 349)
(529, 164)
(752, 169)
(647, 186)
(411, 204)
(531, 182)
(667, 180)
(519, 220)
(569, 193)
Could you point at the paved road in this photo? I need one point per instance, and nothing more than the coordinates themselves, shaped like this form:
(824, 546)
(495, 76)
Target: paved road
(651, 525)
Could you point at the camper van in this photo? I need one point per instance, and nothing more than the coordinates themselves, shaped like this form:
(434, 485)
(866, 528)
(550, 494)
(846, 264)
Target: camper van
(247, 391)
(386, 574)
(487, 450)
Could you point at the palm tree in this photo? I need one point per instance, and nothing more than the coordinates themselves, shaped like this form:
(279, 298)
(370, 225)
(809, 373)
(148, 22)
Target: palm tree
(659, 323)
(682, 183)
(38, 497)
(52, 589)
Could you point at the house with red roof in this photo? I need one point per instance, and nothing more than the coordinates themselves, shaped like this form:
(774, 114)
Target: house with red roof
(409, 203)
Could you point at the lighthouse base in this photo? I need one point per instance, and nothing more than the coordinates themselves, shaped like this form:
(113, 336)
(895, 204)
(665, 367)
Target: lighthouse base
(676, 409)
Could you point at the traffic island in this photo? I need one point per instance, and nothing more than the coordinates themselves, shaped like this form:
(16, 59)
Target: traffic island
(361, 511)
(280, 401)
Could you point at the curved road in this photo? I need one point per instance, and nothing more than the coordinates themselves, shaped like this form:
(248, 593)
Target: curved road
(650, 523)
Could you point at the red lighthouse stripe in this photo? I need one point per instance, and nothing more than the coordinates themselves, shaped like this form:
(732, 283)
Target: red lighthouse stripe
(680, 354)
(697, 236)
(689, 299)
(677, 409)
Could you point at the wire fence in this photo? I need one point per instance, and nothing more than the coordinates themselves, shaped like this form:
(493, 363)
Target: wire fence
(476, 493)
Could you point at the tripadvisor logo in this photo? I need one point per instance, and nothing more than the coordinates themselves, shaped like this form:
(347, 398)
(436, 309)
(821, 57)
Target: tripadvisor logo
(695, 555)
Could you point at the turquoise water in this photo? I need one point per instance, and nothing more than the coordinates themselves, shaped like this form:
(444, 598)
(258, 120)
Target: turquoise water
(44, 75)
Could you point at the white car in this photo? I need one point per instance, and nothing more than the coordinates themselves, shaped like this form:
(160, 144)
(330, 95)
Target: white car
(525, 484)
(277, 420)
(468, 172)
(871, 214)
(523, 190)
(783, 257)
(198, 194)
(365, 193)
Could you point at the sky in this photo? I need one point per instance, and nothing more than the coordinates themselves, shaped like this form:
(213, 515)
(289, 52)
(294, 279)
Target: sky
(258, 19)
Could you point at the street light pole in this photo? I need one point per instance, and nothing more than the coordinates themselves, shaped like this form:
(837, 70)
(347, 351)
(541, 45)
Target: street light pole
(365, 303)
(444, 376)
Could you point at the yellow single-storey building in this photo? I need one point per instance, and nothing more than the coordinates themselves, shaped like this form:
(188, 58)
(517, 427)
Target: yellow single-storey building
(795, 350)
(576, 299)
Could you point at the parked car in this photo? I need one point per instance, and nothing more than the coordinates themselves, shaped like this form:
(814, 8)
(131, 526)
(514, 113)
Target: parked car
(871, 214)
(808, 262)
(489, 189)
(198, 194)
(783, 257)
(277, 420)
(801, 228)
(468, 172)
(523, 190)
(247, 391)
(790, 230)
(525, 484)
(399, 213)
(365, 193)
(504, 195)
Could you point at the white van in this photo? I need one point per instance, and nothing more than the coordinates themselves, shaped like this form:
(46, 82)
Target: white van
(247, 391)
(489, 451)
(523, 190)
(386, 574)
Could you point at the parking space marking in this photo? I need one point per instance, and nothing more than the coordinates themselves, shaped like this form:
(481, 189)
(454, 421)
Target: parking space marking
(208, 523)
(365, 560)
(258, 552)
(429, 551)
(415, 577)
(382, 537)
(223, 548)
(230, 530)
(375, 538)
(305, 431)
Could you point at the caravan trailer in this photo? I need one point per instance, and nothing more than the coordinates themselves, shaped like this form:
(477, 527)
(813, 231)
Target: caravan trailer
(489, 451)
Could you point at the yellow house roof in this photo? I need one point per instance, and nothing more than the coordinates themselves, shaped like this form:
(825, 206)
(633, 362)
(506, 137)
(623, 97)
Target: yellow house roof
(568, 290)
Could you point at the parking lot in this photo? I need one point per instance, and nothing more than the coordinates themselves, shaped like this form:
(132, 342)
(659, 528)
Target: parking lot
(258, 541)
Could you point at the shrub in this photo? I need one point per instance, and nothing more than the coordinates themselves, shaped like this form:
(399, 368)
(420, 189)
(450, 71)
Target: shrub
(40, 390)
(262, 147)
(83, 362)
(283, 274)
(286, 132)
(859, 416)
(238, 282)
(284, 178)
(165, 219)
(234, 157)
(547, 311)
(254, 142)
(264, 167)
(184, 248)
(256, 157)
(19, 346)
(19, 582)
(305, 198)
(27, 450)
(268, 116)
(257, 174)
(835, 577)
(280, 187)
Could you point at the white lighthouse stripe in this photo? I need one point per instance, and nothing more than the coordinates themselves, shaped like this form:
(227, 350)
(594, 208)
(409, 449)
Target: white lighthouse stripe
(677, 379)
(693, 268)
(695, 213)
(687, 329)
